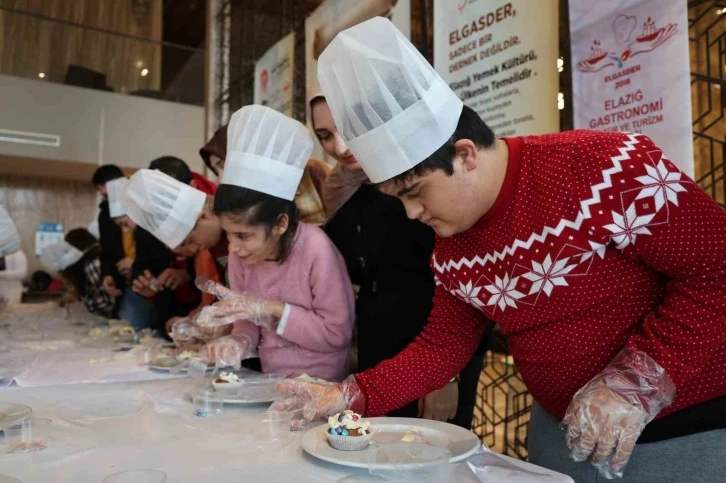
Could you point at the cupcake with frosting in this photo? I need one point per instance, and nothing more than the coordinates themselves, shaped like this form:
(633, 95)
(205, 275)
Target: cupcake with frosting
(228, 382)
(348, 431)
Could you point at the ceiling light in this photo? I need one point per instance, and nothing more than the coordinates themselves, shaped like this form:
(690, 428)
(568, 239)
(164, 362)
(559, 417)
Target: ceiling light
(144, 72)
(41, 75)
(139, 64)
(560, 101)
(560, 64)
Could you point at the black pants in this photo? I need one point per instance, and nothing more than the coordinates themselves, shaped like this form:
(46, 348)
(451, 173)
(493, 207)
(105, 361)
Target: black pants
(467, 395)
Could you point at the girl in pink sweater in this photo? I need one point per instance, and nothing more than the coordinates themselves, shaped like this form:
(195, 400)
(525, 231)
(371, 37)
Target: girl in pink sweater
(291, 299)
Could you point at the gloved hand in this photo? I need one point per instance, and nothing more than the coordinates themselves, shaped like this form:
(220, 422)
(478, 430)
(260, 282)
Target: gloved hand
(232, 306)
(184, 331)
(228, 351)
(606, 416)
(320, 400)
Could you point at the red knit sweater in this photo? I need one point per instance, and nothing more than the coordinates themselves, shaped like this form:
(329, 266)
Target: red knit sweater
(595, 241)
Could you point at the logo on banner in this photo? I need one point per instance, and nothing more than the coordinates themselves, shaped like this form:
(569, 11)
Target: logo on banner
(647, 40)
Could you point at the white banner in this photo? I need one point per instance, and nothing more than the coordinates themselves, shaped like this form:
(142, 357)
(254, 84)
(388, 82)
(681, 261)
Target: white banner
(501, 59)
(274, 76)
(334, 16)
(630, 71)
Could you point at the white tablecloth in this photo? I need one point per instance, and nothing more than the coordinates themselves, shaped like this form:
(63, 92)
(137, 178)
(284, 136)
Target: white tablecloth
(101, 429)
(43, 347)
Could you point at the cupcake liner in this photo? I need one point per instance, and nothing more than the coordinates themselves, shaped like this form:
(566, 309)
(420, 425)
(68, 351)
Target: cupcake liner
(349, 443)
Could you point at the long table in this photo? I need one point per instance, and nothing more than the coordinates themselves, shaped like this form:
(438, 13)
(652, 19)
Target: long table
(47, 345)
(101, 429)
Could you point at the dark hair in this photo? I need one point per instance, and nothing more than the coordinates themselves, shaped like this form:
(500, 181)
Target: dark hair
(40, 281)
(106, 173)
(81, 239)
(174, 167)
(257, 208)
(471, 127)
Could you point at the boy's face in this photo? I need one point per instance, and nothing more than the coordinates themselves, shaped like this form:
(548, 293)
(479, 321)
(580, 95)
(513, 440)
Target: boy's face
(126, 224)
(205, 235)
(101, 190)
(438, 200)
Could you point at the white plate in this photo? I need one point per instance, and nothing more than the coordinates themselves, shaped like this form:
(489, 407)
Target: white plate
(12, 413)
(460, 442)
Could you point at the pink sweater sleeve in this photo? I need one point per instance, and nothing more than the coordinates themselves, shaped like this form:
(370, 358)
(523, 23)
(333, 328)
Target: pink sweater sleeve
(328, 325)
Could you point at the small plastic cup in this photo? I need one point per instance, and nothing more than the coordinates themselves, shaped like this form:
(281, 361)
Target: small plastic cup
(276, 425)
(137, 476)
(26, 436)
(207, 403)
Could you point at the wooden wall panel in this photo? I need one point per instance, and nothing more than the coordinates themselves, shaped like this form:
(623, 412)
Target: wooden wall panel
(31, 45)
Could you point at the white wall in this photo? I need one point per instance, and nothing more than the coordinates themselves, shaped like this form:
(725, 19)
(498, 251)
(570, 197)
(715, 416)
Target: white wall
(98, 127)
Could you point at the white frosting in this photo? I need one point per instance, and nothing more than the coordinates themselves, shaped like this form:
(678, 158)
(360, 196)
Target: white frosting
(228, 377)
(186, 355)
(348, 421)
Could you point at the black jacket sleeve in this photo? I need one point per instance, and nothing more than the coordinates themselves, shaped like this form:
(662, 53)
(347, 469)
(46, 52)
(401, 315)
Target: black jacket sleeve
(112, 248)
(151, 254)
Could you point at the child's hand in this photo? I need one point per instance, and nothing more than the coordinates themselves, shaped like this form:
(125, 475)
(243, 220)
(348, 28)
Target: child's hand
(109, 286)
(143, 285)
(172, 278)
(228, 351)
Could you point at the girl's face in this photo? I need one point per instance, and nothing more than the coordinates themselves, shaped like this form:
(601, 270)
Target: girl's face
(125, 223)
(217, 164)
(329, 137)
(253, 243)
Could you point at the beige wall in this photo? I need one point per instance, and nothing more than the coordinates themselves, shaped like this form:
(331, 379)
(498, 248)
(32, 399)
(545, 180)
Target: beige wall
(34, 200)
(98, 127)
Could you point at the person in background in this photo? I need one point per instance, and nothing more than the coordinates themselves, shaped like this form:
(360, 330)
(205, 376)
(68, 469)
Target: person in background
(388, 257)
(308, 197)
(77, 260)
(291, 299)
(601, 262)
(139, 311)
(173, 292)
(179, 170)
(111, 239)
(182, 218)
(13, 262)
(214, 152)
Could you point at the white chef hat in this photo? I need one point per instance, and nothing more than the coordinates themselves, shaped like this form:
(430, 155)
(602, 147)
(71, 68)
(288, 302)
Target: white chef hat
(59, 256)
(9, 237)
(163, 206)
(388, 103)
(266, 152)
(114, 188)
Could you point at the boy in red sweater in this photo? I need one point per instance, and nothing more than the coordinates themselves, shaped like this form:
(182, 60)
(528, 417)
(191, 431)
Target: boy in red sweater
(603, 264)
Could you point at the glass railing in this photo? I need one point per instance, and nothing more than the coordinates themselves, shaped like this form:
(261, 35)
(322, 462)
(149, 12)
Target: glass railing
(37, 47)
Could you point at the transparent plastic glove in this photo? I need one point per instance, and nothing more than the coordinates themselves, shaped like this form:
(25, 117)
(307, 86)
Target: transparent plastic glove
(232, 306)
(608, 414)
(319, 400)
(228, 351)
(184, 332)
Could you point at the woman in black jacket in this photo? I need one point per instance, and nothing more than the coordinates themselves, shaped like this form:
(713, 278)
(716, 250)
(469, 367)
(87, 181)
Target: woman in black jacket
(388, 257)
